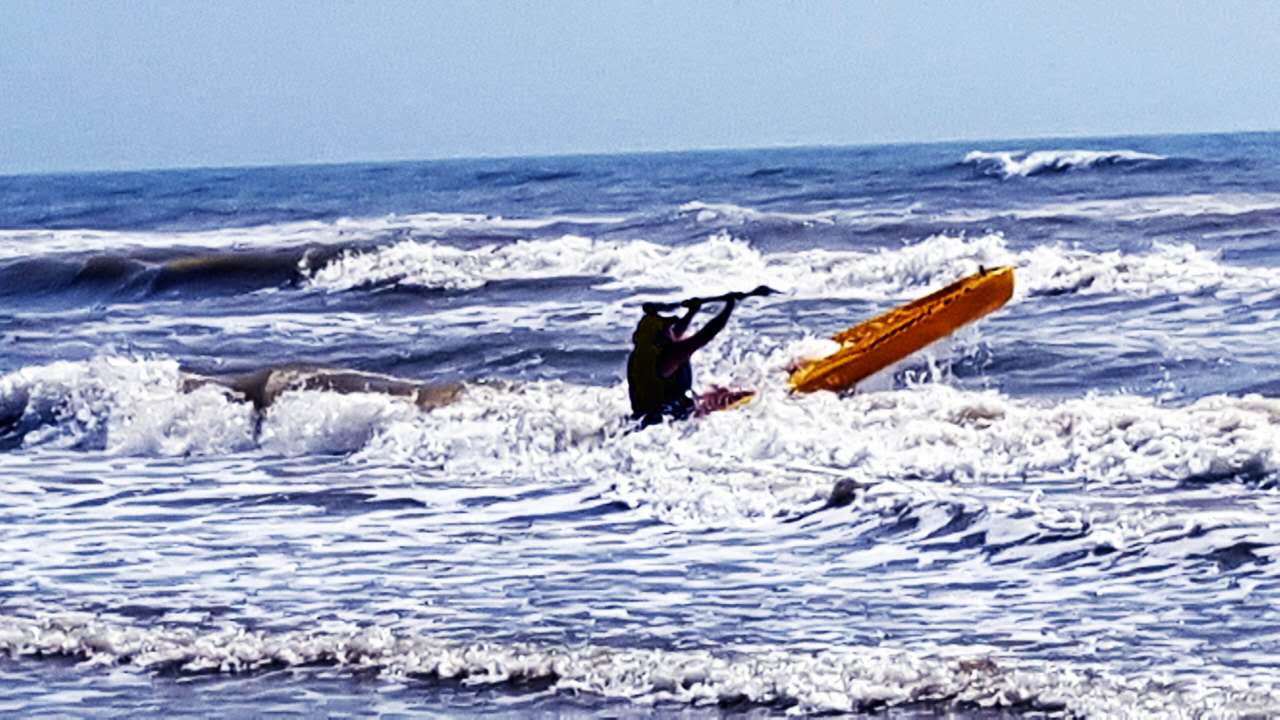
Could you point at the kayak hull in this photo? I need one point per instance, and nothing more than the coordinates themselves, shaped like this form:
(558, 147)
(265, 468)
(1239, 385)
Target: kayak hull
(875, 344)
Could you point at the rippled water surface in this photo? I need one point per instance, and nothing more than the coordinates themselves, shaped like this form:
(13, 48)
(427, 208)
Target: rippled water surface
(1066, 509)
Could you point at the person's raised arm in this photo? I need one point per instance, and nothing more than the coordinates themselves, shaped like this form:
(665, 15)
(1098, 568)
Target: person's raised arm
(681, 326)
(679, 352)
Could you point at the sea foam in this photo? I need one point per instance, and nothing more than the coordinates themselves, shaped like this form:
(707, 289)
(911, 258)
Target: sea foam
(859, 680)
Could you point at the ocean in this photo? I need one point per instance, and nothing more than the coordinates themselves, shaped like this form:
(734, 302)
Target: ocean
(1068, 509)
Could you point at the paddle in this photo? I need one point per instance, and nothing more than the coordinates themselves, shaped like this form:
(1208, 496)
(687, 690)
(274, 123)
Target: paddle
(761, 291)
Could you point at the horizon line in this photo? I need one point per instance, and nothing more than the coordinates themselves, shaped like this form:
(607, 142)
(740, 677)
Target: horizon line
(613, 153)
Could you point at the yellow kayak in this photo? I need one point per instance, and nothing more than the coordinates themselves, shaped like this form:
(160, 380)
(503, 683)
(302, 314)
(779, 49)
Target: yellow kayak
(875, 344)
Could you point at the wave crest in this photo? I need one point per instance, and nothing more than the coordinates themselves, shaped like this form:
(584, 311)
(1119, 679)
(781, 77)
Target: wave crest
(1010, 164)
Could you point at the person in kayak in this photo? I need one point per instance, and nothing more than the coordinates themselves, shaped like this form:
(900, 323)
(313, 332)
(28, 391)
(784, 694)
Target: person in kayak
(659, 376)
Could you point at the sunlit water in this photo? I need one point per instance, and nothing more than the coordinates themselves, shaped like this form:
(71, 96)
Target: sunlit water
(1067, 509)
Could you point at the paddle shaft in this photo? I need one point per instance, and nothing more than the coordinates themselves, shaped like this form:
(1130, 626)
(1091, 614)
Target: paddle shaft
(758, 292)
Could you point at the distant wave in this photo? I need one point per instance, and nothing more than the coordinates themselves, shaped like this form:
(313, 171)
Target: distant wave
(731, 214)
(1133, 209)
(1128, 209)
(512, 178)
(106, 264)
(16, 244)
(364, 255)
(839, 680)
(158, 247)
(122, 276)
(1009, 164)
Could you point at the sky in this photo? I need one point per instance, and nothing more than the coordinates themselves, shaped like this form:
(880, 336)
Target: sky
(132, 84)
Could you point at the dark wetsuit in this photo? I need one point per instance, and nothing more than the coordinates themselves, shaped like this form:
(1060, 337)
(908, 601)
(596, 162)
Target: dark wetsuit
(652, 395)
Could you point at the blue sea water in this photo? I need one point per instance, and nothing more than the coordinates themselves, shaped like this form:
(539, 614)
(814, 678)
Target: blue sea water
(1068, 509)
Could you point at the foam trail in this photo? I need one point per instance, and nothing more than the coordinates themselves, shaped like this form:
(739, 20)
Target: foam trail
(1010, 164)
(860, 679)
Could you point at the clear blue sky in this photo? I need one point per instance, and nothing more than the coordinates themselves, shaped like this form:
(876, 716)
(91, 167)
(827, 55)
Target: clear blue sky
(136, 84)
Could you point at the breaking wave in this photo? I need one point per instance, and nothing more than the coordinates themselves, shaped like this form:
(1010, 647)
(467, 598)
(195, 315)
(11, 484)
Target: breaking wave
(860, 679)
(122, 276)
(723, 263)
(1010, 164)
(682, 473)
(928, 431)
(458, 252)
(790, 451)
(125, 406)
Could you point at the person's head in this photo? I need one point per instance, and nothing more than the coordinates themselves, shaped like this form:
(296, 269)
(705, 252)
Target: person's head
(654, 328)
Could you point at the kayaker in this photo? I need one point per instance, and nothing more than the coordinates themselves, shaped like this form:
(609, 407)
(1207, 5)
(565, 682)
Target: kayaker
(659, 376)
